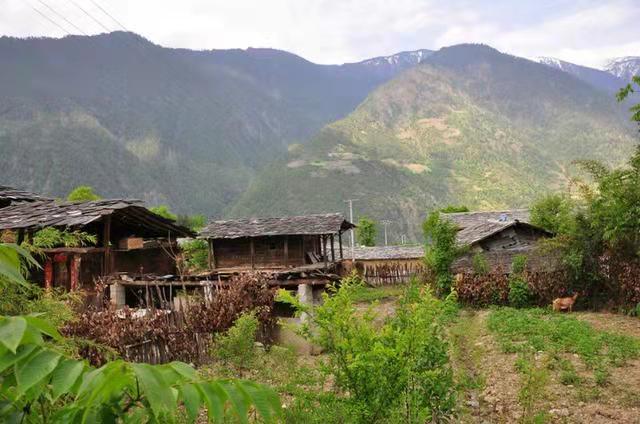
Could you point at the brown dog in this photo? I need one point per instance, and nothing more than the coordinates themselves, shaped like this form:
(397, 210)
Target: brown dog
(564, 303)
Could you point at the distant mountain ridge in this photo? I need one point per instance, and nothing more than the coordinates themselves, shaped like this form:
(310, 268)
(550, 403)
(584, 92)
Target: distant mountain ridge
(266, 132)
(177, 126)
(469, 125)
(624, 67)
(600, 79)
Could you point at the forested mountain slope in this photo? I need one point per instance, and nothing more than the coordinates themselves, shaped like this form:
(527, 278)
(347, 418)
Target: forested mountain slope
(187, 128)
(469, 125)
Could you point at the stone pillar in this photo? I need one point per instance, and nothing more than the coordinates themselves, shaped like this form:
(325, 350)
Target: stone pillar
(305, 296)
(117, 295)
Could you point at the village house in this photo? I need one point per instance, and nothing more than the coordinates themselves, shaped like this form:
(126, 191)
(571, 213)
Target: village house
(131, 241)
(499, 236)
(295, 249)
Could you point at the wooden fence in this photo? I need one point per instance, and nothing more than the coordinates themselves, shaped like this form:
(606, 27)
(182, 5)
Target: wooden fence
(158, 351)
(389, 272)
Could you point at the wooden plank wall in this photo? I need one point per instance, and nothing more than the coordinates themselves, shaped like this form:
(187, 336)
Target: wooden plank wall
(269, 252)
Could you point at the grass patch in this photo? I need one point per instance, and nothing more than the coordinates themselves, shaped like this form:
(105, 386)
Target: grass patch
(539, 330)
(365, 294)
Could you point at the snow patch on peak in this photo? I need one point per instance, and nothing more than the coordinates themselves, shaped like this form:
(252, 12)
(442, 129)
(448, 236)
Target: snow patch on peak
(624, 67)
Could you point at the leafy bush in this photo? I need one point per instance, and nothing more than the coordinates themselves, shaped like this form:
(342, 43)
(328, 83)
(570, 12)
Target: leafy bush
(519, 295)
(441, 250)
(163, 211)
(237, 346)
(396, 368)
(42, 385)
(52, 237)
(196, 255)
(480, 264)
(366, 232)
(82, 194)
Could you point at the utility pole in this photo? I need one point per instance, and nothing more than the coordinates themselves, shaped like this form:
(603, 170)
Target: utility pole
(352, 233)
(385, 222)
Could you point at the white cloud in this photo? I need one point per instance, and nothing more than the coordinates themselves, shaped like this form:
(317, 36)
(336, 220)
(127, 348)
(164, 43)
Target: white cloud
(334, 31)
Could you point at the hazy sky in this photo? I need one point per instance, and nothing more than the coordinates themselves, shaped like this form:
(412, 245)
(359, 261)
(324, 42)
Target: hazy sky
(336, 31)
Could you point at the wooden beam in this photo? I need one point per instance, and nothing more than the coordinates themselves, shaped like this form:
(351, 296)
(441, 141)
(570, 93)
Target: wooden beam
(340, 243)
(106, 243)
(286, 251)
(333, 250)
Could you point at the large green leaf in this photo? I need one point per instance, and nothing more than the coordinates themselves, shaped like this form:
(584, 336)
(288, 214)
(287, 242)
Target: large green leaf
(215, 398)
(35, 368)
(42, 325)
(65, 376)
(264, 399)
(8, 359)
(239, 400)
(11, 331)
(155, 388)
(191, 400)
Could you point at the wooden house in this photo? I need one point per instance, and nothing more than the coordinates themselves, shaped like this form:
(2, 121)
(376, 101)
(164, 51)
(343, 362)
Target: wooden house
(130, 240)
(304, 245)
(498, 236)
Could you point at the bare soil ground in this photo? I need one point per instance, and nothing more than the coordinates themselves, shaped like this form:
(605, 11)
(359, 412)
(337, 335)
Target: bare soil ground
(497, 395)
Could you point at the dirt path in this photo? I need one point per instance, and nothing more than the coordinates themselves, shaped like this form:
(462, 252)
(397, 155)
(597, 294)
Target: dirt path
(493, 387)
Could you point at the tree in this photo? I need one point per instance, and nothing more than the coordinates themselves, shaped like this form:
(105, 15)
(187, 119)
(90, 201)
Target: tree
(193, 222)
(163, 211)
(82, 194)
(441, 250)
(625, 92)
(366, 232)
(554, 213)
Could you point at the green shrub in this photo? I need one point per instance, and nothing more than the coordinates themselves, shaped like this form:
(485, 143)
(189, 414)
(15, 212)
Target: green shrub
(399, 367)
(196, 255)
(480, 264)
(236, 347)
(519, 293)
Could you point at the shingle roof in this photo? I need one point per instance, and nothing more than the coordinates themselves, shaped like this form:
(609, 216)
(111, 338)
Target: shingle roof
(9, 195)
(289, 225)
(41, 214)
(385, 252)
(468, 219)
(478, 232)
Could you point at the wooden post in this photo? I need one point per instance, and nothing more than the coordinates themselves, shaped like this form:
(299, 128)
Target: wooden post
(340, 243)
(286, 251)
(333, 251)
(75, 271)
(48, 274)
(211, 259)
(253, 254)
(20, 237)
(324, 249)
(106, 243)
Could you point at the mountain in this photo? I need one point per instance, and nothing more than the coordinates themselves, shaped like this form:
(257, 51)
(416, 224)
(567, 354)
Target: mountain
(603, 80)
(469, 125)
(187, 128)
(624, 67)
(386, 67)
